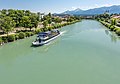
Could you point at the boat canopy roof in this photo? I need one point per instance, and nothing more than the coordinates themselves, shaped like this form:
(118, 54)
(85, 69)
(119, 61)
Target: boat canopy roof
(42, 33)
(46, 33)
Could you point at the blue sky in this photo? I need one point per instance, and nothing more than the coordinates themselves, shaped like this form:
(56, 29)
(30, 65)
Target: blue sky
(55, 6)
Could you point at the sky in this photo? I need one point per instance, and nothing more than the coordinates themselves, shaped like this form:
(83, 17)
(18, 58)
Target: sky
(55, 6)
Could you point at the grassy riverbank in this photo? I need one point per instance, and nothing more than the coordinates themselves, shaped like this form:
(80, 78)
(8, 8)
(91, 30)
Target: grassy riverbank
(113, 28)
(25, 34)
(111, 21)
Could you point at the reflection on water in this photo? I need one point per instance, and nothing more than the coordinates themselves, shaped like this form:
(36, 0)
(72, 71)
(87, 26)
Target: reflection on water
(107, 32)
(112, 35)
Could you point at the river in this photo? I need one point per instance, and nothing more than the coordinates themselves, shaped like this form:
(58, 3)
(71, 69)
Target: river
(86, 53)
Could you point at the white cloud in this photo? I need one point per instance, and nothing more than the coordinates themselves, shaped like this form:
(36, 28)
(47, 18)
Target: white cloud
(107, 5)
(73, 8)
(97, 6)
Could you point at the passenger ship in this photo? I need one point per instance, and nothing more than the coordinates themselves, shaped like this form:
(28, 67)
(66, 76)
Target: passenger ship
(46, 37)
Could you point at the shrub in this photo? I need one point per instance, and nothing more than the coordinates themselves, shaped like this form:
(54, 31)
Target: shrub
(37, 31)
(4, 39)
(31, 33)
(109, 26)
(112, 28)
(50, 28)
(28, 34)
(16, 36)
(11, 38)
(21, 35)
(118, 32)
(115, 29)
(1, 40)
(56, 26)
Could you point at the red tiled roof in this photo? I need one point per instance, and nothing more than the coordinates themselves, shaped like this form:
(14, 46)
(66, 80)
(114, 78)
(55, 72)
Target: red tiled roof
(116, 17)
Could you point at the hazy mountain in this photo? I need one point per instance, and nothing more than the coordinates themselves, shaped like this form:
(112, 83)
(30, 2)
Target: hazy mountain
(73, 12)
(101, 10)
(76, 11)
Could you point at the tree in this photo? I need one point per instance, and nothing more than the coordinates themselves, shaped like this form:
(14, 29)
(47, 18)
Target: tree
(49, 21)
(21, 18)
(50, 15)
(35, 24)
(27, 13)
(7, 24)
(113, 22)
(11, 12)
(4, 11)
(57, 20)
(34, 20)
(45, 23)
(30, 25)
(25, 21)
(38, 16)
(19, 14)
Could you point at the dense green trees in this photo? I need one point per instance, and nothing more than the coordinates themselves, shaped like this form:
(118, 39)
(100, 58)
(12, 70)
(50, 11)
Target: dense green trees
(57, 20)
(12, 20)
(112, 26)
(18, 18)
(7, 24)
(109, 22)
(103, 17)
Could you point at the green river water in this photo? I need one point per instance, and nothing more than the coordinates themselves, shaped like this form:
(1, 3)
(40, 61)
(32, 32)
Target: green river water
(86, 53)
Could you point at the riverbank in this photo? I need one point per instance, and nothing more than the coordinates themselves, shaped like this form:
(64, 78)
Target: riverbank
(25, 34)
(113, 28)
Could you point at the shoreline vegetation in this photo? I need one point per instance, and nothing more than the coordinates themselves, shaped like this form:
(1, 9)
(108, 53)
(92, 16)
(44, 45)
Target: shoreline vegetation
(20, 24)
(111, 21)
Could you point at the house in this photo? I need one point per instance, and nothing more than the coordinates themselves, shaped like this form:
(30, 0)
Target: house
(116, 16)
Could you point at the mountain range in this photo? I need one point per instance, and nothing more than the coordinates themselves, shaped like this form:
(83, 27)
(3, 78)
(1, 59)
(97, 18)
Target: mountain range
(101, 10)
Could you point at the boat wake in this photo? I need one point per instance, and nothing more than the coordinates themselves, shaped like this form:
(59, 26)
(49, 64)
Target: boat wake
(63, 32)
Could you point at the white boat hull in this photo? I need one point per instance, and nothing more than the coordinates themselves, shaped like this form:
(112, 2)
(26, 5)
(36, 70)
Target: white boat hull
(44, 42)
